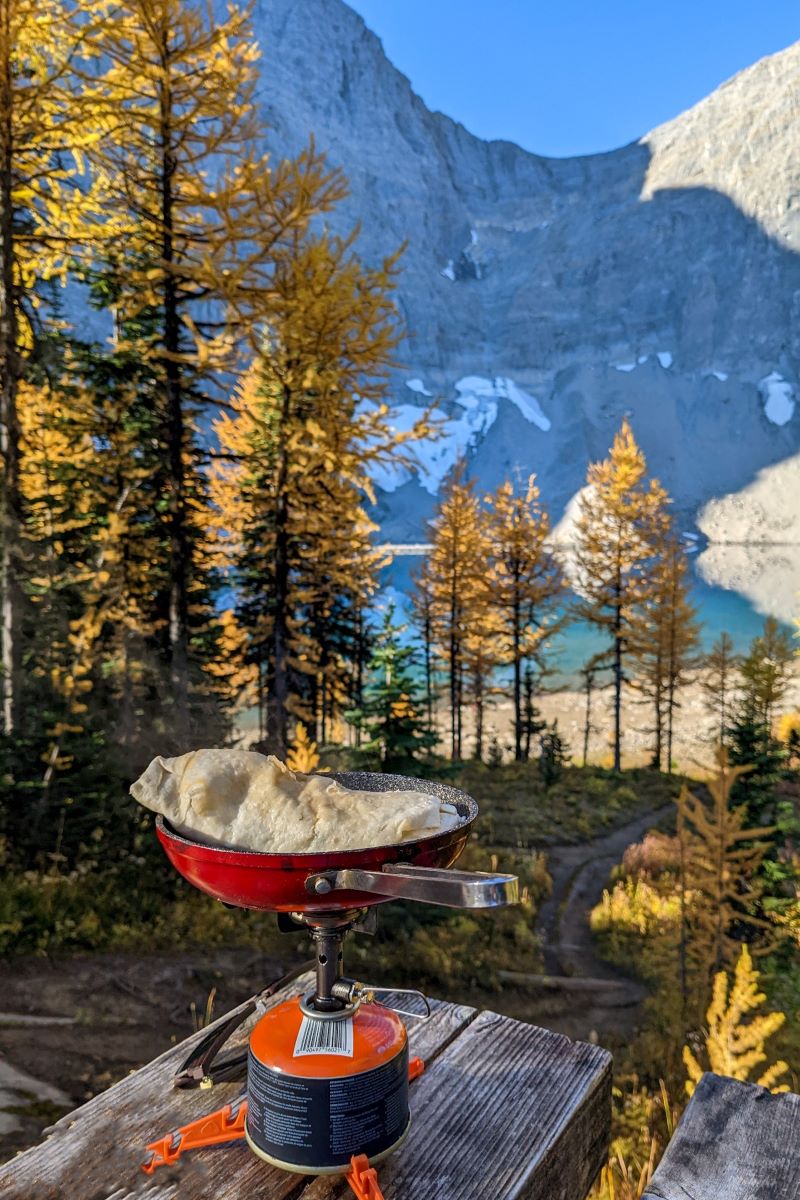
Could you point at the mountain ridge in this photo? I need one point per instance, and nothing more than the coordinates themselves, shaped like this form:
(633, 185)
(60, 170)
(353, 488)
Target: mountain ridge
(657, 281)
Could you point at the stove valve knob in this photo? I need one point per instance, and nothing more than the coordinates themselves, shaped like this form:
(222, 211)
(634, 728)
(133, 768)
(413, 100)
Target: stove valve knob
(350, 990)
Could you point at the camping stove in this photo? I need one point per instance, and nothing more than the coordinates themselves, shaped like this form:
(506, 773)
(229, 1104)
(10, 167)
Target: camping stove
(327, 1072)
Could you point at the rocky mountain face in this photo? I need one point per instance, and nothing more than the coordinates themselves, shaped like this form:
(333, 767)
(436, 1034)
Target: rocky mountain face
(546, 298)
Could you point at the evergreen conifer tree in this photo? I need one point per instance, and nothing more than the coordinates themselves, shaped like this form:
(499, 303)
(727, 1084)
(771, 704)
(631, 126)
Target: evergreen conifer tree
(46, 207)
(199, 216)
(766, 670)
(765, 674)
(751, 744)
(553, 755)
(392, 717)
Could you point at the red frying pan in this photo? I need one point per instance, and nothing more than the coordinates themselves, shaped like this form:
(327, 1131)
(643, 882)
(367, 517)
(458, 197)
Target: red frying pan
(346, 879)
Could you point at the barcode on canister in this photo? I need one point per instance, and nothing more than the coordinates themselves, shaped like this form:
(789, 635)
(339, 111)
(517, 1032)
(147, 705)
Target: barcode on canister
(325, 1036)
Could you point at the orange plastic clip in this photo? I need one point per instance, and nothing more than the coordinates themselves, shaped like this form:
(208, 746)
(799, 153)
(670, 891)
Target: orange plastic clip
(363, 1179)
(415, 1068)
(224, 1125)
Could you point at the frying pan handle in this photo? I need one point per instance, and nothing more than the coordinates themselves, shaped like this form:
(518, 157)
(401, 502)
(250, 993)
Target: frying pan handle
(430, 885)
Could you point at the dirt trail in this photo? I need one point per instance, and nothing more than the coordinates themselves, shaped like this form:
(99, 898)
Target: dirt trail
(583, 996)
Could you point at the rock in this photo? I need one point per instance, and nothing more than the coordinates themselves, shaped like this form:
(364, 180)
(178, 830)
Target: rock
(659, 281)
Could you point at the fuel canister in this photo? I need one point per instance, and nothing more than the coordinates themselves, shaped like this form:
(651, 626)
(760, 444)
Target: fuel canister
(323, 1087)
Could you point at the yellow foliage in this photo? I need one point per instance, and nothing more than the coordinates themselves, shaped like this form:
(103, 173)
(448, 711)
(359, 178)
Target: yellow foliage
(635, 906)
(48, 125)
(734, 1044)
(303, 755)
(297, 445)
(457, 579)
(720, 858)
(643, 1124)
(788, 729)
(620, 517)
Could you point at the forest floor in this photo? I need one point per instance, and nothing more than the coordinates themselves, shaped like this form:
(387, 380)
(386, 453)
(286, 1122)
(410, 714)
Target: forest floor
(74, 1024)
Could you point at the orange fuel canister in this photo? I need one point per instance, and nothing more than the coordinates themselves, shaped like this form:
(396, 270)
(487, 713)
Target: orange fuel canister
(322, 1087)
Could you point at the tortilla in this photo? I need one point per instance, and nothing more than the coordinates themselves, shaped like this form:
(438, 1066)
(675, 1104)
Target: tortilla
(248, 801)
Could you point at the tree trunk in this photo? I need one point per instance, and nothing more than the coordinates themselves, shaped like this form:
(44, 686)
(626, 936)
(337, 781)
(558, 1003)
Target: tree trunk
(587, 727)
(672, 677)
(10, 518)
(658, 714)
(455, 662)
(428, 636)
(528, 715)
(478, 686)
(684, 933)
(277, 723)
(174, 427)
(618, 673)
(516, 642)
(359, 696)
(670, 717)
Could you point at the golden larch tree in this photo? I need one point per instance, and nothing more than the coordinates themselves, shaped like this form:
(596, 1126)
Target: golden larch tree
(720, 883)
(46, 205)
(194, 214)
(526, 584)
(293, 471)
(719, 682)
(665, 636)
(455, 573)
(737, 1032)
(614, 551)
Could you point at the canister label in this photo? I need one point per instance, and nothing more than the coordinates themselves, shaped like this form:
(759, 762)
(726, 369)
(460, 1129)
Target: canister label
(320, 1123)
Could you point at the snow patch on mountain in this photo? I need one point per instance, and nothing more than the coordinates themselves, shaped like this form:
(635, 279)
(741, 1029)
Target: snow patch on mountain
(477, 398)
(625, 366)
(665, 358)
(768, 576)
(449, 271)
(759, 512)
(475, 389)
(434, 458)
(778, 397)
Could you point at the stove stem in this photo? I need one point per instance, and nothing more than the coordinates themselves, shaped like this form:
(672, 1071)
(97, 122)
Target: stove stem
(328, 945)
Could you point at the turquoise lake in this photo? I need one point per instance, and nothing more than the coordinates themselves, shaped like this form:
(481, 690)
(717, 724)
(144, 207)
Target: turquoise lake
(775, 590)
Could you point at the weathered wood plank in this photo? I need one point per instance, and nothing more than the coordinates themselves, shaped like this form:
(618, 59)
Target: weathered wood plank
(735, 1141)
(507, 1112)
(94, 1152)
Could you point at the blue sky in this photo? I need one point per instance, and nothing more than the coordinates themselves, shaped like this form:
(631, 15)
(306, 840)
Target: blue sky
(574, 76)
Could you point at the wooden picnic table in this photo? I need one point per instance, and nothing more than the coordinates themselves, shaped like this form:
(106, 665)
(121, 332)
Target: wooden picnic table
(503, 1111)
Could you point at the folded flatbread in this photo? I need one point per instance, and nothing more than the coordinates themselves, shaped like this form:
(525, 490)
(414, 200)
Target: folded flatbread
(249, 801)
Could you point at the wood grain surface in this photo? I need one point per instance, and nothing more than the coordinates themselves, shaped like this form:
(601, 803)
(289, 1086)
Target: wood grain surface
(503, 1111)
(735, 1141)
